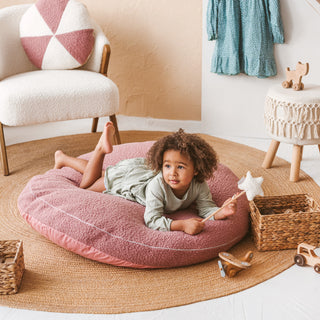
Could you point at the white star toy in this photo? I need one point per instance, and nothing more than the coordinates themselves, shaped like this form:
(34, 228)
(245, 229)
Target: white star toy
(251, 186)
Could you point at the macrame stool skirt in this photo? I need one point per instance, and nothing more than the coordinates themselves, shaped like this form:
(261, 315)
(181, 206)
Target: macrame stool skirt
(292, 117)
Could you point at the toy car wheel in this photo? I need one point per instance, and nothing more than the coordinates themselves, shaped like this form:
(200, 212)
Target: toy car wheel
(286, 84)
(296, 87)
(317, 268)
(299, 260)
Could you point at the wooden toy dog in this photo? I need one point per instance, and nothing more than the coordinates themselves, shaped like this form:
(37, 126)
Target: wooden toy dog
(294, 76)
(229, 265)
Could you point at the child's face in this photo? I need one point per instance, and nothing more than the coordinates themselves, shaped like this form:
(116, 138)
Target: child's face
(178, 171)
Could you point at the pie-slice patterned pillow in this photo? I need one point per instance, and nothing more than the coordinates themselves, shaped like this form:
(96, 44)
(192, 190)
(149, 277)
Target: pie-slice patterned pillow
(57, 34)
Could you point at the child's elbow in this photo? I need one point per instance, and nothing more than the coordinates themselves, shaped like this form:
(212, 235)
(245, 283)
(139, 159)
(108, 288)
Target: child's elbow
(157, 223)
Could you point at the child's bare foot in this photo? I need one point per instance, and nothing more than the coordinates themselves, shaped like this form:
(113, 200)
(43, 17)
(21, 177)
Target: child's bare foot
(58, 159)
(105, 143)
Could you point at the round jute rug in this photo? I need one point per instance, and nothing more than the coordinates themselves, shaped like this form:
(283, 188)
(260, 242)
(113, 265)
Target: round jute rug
(59, 281)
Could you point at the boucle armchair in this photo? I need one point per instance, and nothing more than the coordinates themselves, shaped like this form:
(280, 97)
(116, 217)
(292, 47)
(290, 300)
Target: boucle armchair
(29, 95)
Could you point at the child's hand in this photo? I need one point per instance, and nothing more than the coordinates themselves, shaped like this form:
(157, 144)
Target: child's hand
(191, 226)
(229, 210)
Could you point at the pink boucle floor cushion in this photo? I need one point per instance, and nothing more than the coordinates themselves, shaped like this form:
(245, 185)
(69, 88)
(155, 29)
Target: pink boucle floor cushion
(111, 229)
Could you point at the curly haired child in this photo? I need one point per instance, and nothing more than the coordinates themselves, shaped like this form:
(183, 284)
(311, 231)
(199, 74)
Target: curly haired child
(172, 177)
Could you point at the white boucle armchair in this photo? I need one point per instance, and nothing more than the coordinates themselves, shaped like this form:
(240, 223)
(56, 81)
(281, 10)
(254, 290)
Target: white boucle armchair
(30, 96)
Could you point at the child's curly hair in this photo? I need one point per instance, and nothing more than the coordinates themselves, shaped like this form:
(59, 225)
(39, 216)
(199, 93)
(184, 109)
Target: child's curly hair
(195, 148)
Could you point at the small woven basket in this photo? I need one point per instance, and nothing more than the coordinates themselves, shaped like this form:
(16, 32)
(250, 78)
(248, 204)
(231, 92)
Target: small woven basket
(11, 266)
(282, 222)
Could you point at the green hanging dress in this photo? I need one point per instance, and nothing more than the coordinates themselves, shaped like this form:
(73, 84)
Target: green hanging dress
(245, 31)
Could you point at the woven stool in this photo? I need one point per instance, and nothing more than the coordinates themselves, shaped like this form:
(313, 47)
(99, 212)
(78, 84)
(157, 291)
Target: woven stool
(292, 117)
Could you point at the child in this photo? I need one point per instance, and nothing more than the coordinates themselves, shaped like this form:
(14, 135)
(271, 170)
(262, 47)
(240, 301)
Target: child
(171, 178)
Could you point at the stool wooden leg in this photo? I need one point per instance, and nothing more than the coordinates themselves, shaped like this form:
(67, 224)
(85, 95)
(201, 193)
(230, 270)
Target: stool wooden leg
(301, 151)
(271, 153)
(295, 164)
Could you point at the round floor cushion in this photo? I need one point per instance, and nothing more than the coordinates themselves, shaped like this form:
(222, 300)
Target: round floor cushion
(111, 229)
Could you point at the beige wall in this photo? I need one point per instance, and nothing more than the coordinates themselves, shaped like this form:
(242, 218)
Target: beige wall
(156, 54)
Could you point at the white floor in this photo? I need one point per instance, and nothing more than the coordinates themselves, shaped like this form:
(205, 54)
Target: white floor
(293, 294)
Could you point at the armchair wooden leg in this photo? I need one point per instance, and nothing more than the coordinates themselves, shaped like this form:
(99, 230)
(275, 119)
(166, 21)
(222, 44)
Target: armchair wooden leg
(3, 152)
(94, 124)
(113, 119)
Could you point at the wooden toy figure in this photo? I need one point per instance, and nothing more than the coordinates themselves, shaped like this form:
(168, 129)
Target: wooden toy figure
(229, 265)
(306, 256)
(294, 76)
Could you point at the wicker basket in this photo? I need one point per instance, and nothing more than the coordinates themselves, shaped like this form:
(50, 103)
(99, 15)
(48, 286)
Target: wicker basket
(11, 266)
(282, 222)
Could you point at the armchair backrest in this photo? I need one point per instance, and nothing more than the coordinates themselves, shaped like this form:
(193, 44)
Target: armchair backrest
(13, 59)
(94, 62)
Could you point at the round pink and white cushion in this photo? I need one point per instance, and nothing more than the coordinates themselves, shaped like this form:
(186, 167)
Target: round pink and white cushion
(57, 34)
(111, 229)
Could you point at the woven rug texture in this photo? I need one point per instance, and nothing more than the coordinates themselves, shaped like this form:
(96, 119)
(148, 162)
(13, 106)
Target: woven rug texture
(56, 280)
